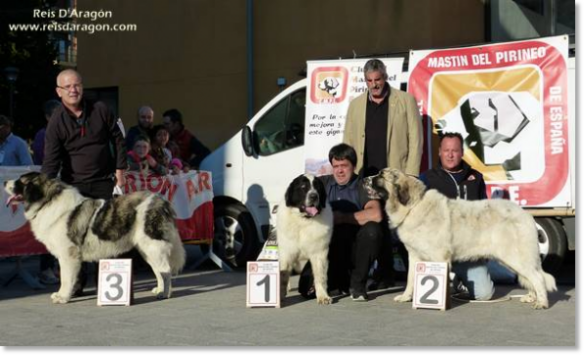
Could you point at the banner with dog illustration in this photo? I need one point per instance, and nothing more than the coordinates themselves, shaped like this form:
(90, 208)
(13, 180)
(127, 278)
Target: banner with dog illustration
(510, 103)
(332, 85)
(191, 195)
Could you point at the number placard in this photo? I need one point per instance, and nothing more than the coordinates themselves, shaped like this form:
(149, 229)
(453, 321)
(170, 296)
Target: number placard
(431, 286)
(262, 284)
(115, 282)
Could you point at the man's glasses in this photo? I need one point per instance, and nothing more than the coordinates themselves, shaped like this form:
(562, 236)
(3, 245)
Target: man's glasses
(71, 86)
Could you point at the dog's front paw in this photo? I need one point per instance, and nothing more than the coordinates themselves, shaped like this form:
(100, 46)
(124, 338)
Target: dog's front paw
(157, 291)
(403, 298)
(58, 299)
(528, 298)
(324, 300)
(540, 305)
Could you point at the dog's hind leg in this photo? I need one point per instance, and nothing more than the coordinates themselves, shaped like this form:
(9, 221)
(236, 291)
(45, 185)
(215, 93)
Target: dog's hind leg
(538, 282)
(532, 278)
(319, 264)
(156, 256)
(70, 267)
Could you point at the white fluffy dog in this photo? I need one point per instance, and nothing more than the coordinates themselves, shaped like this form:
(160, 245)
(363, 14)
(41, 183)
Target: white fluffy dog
(75, 229)
(304, 229)
(436, 228)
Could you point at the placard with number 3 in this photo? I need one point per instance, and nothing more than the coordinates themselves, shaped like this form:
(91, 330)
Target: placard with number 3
(115, 282)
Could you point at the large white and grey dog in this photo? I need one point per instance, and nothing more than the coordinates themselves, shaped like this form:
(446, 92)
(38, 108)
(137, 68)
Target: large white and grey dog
(436, 228)
(78, 229)
(304, 230)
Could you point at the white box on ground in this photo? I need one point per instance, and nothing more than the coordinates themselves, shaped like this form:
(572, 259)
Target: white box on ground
(431, 285)
(263, 284)
(115, 282)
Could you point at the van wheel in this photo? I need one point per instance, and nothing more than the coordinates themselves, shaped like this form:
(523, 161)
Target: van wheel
(235, 237)
(552, 243)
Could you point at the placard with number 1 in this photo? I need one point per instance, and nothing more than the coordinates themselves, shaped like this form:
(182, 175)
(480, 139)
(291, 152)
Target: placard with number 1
(262, 284)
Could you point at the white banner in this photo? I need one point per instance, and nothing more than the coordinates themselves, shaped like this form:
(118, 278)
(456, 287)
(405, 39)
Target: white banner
(332, 85)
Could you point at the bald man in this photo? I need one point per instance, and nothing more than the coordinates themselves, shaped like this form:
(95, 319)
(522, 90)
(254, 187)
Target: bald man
(145, 117)
(83, 144)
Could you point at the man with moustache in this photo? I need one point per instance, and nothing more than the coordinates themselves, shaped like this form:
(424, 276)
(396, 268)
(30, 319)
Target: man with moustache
(383, 125)
(84, 146)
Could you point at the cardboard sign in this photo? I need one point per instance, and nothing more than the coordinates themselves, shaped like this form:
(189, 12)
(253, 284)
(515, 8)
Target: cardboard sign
(431, 286)
(263, 284)
(115, 282)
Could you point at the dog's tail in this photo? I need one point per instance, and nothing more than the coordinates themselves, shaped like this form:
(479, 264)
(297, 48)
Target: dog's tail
(177, 259)
(550, 284)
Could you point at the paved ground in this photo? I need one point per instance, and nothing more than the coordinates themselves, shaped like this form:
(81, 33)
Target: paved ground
(208, 309)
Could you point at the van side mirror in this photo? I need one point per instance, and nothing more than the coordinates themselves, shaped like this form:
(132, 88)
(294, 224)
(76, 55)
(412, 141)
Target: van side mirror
(247, 144)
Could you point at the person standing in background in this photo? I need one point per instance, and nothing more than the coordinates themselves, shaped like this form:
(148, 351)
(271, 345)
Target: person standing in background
(13, 149)
(84, 146)
(383, 125)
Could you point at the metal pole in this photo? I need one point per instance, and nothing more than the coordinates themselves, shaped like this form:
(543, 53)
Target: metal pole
(11, 101)
(250, 57)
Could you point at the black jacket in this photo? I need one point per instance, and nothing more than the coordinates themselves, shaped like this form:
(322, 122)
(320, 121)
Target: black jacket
(467, 184)
(84, 152)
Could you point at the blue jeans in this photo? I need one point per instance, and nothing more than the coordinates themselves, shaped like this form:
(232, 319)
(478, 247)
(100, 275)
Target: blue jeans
(475, 276)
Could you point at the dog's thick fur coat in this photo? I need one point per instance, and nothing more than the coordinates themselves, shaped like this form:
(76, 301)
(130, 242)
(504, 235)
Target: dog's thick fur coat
(435, 228)
(304, 230)
(78, 229)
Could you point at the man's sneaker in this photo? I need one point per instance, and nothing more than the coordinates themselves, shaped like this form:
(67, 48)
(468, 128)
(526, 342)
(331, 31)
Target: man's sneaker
(358, 295)
(48, 277)
(380, 285)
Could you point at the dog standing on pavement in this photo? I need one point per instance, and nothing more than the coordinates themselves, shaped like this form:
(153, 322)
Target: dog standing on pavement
(439, 229)
(304, 230)
(78, 229)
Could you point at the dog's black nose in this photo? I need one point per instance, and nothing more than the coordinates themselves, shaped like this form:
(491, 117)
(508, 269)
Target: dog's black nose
(313, 196)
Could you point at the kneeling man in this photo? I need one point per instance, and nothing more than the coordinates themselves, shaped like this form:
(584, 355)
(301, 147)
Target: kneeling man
(358, 234)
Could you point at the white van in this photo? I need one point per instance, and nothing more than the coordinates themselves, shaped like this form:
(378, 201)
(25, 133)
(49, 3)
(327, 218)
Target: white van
(250, 178)
(251, 172)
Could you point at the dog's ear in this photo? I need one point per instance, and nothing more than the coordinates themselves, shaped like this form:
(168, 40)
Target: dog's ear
(321, 191)
(289, 194)
(416, 189)
(403, 194)
(31, 190)
(28, 177)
